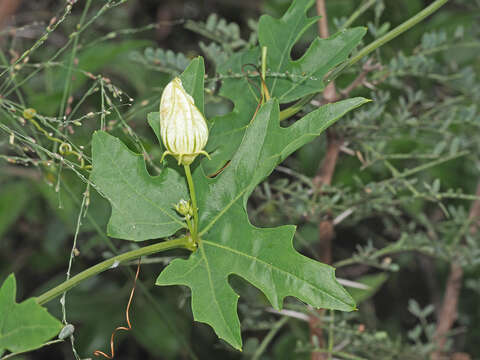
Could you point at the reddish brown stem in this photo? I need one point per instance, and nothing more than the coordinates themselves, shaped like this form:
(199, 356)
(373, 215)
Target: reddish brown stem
(327, 169)
(361, 78)
(449, 310)
(324, 177)
(323, 22)
(7, 9)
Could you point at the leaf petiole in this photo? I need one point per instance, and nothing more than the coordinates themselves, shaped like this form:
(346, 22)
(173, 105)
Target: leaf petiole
(193, 197)
(189, 225)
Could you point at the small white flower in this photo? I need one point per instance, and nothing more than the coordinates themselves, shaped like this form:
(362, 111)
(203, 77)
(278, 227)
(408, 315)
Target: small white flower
(183, 128)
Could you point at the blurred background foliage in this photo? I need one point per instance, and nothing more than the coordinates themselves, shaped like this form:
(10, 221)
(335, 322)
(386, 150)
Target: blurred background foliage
(401, 199)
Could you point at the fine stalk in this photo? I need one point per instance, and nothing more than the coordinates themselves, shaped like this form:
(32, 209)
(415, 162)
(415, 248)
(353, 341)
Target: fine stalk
(193, 197)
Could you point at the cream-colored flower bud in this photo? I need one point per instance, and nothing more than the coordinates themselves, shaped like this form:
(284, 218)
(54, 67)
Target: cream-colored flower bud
(183, 128)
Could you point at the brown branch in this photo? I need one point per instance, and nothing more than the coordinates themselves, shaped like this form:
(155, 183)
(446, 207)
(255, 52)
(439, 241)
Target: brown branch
(325, 173)
(323, 22)
(7, 9)
(449, 310)
(361, 78)
(330, 93)
(324, 177)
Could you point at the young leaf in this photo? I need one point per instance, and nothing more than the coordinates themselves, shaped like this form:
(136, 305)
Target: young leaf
(25, 326)
(231, 245)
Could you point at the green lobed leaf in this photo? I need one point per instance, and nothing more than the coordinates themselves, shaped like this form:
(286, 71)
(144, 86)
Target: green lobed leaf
(231, 245)
(142, 205)
(24, 326)
(288, 80)
(305, 75)
(226, 131)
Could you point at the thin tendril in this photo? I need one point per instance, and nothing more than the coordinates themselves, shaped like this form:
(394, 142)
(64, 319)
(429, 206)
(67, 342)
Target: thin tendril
(127, 316)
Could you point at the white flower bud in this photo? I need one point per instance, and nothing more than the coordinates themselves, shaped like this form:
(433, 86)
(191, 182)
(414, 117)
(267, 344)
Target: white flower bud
(183, 128)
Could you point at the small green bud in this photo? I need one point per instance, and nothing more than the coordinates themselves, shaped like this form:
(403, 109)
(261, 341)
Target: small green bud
(183, 128)
(184, 208)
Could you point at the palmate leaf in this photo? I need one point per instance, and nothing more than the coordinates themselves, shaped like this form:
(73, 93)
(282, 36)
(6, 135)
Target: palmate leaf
(287, 80)
(142, 205)
(25, 326)
(231, 245)
(305, 75)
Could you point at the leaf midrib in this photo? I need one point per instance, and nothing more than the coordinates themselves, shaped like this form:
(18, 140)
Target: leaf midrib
(267, 159)
(223, 211)
(212, 289)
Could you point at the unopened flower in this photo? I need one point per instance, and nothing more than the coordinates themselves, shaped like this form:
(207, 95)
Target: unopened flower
(183, 128)
(184, 208)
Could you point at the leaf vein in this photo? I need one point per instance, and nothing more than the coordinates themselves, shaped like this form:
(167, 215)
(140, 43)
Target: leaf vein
(125, 181)
(272, 267)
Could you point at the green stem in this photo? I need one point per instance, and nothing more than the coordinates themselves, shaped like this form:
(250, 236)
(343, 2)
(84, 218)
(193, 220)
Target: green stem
(264, 62)
(400, 29)
(189, 225)
(193, 197)
(330, 335)
(265, 93)
(364, 7)
(271, 334)
(365, 51)
(184, 242)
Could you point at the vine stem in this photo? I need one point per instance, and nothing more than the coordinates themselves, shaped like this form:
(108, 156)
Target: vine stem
(364, 7)
(193, 197)
(400, 29)
(183, 242)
